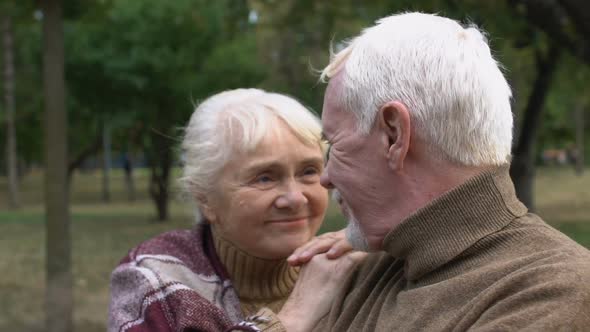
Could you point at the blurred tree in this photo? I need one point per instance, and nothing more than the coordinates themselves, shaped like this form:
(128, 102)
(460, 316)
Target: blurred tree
(563, 120)
(59, 273)
(9, 103)
(578, 154)
(236, 63)
(137, 66)
(92, 103)
(523, 162)
(294, 37)
(106, 161)
(29, 83)
(155, 50)
(566, 23)
(149, 63)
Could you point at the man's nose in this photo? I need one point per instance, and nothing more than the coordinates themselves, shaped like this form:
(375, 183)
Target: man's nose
(325, 179)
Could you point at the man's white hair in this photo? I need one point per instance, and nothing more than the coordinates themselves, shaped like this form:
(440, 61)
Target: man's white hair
(236, 121)
(457, 96)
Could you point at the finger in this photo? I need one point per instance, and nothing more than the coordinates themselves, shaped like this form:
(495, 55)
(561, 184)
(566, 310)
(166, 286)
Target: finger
(316, 241)
(304, 254)
(308, 244)
(338, 249)
(357, 256)
(296, 256)
(295, 261)
(317, 245)
(317, 260)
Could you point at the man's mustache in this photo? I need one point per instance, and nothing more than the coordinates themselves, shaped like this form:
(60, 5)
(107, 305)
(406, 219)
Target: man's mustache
(336, 196)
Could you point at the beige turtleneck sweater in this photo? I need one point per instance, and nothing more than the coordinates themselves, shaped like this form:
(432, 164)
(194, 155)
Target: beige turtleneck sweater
(259, 283)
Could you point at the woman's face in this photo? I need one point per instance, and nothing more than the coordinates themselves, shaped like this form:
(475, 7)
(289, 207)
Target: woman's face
(269, 201)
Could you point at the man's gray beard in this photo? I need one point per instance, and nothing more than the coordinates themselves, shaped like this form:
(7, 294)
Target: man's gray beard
(354, 233)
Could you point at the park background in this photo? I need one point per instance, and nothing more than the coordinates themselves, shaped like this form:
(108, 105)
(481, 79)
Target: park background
(95, 94)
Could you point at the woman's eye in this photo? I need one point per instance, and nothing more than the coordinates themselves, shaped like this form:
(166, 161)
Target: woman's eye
(311, 171)
(264, 178)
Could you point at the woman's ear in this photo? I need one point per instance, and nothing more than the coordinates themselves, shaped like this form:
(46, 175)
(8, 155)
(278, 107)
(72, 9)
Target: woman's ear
(394, 120)
(206, 209)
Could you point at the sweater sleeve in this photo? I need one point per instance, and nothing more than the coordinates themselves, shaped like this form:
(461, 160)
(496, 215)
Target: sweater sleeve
(546, 298)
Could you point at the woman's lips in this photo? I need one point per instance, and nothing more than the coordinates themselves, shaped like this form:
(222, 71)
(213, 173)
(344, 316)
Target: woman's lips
(295, 220)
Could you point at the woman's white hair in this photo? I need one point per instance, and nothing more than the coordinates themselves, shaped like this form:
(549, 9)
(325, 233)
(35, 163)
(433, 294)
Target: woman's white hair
(234, 122)
(457, 96)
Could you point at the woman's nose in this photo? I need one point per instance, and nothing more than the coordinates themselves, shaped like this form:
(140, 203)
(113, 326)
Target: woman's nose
(293, 199)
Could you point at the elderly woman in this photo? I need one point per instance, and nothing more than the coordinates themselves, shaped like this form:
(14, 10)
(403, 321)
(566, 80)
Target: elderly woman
(252, 165)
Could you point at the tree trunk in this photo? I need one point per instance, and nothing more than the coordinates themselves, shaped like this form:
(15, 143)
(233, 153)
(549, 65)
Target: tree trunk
(106, 162)
(579, 153)
(59, 276)
(9, 78)
(129, 182)
(89, 151)
(522, 169)
(160, 173)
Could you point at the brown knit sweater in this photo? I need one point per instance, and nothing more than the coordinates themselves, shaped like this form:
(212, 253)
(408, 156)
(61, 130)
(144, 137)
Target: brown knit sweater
(259, 283)
(473, 259)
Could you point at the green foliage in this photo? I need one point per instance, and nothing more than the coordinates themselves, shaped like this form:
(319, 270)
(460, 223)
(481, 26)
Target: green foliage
(141, 65)
(146, 59)
(135, 61)
(558, 128)
(235, 64)
(28, 89)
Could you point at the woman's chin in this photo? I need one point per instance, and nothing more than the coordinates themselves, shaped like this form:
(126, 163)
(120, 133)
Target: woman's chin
(284, 246)
(280, 241)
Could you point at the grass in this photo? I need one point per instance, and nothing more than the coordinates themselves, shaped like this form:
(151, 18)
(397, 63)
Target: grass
(102, 233)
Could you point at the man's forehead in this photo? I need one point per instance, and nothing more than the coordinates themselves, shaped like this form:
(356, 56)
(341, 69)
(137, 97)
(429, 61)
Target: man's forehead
(333, 89)
(329, 119)
(331, 104)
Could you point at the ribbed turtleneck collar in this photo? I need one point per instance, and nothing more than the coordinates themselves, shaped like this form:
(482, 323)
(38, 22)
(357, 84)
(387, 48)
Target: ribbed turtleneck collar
(255, 278)
(453, 222)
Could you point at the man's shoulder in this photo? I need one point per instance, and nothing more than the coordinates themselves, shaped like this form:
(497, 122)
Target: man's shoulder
(542, 274)
(531, 235)
(529, 246)
(377, 265)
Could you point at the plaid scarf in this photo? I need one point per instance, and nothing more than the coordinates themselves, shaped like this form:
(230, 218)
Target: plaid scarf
(175, 282)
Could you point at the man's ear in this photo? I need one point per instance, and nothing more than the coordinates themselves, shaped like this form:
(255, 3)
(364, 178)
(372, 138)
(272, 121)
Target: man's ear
(394, 120)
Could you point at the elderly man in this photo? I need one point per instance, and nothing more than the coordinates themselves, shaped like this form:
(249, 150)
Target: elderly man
(418, 116)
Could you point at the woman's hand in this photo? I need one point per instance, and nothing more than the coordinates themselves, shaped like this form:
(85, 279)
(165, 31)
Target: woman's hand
(318, 283)
(333, 244)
